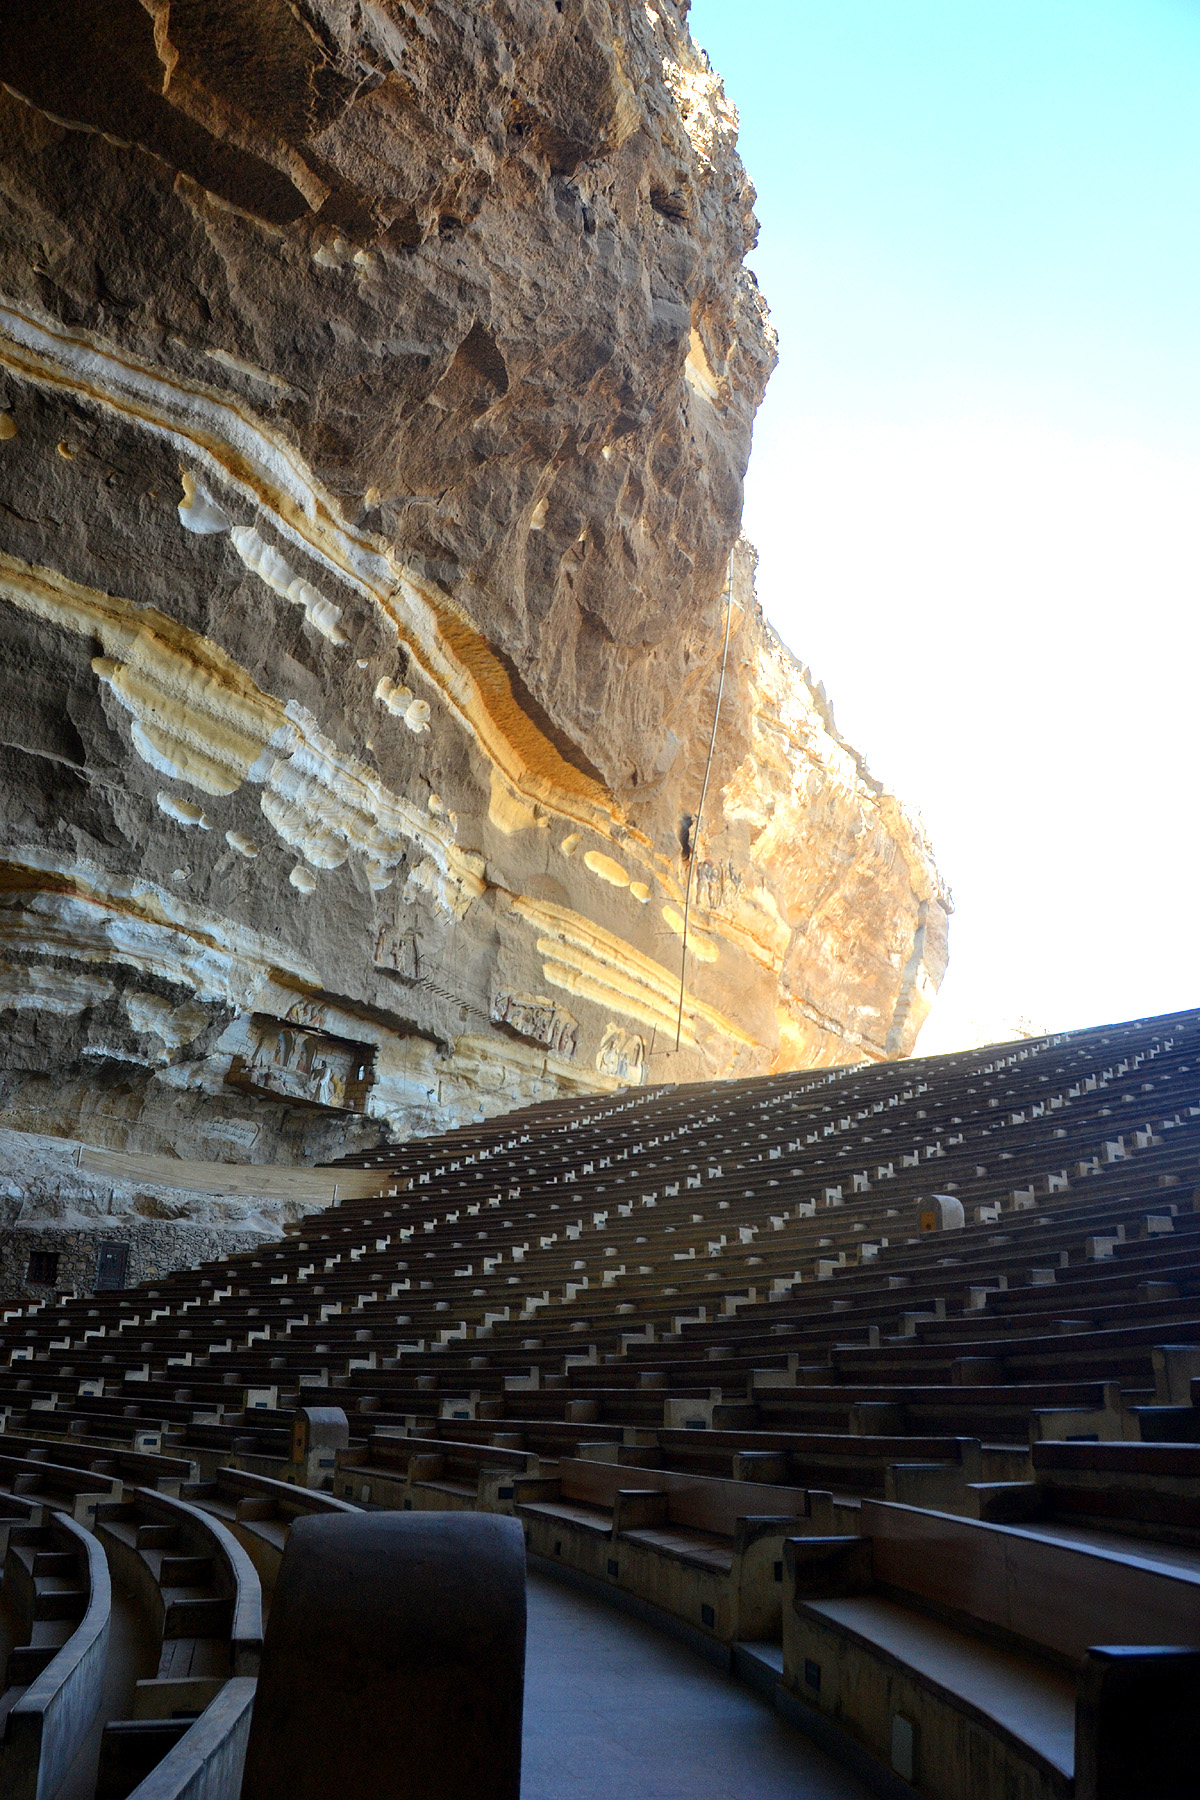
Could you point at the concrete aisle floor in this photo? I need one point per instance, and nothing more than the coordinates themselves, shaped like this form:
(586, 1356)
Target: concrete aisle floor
(615, 1710)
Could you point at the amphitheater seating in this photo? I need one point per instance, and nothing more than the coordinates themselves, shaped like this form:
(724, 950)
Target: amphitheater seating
(200, 1588)
(195, 1564)
(198, 1582)
(196, 1585)
(687, 1338)
(136, 1467)
(943, 1644)
(710, 1550)
(80, 1490)
(57, 1602)
(434, 1474)
(259, 1513)
(1145, 1490)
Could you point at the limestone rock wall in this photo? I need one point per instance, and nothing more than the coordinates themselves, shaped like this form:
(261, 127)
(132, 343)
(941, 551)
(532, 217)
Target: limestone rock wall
(376, 387)
(61, 1226)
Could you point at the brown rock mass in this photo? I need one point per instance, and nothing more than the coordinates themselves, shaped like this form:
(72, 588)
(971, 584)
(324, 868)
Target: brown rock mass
(376, 388)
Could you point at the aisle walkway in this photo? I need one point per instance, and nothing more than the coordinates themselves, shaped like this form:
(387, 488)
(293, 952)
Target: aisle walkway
(615, 1710)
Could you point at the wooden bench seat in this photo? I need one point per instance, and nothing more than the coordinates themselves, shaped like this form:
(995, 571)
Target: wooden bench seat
(429, 1474)
(707, 1551)
(1150, 1490)
(463, 1492)
(196, 1587)
(59, 1600)
(193, 1578)
(976, 1658)
(1028, 1699)
(46, 1591)
(853, 1463)
(703, 1550)
(259, 1513)
(139, 1468)
(570, 1512)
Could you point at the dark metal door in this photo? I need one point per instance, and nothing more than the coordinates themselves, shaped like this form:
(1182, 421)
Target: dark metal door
(112, 1263)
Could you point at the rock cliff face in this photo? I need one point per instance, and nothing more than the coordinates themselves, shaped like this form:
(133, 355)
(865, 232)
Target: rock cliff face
(376, 387)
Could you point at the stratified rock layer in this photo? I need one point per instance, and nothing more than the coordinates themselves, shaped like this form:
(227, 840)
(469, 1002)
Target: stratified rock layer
(376, 386)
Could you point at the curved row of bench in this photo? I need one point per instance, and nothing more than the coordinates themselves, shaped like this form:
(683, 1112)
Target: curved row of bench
(676, 1337)
(188, 1568)
(974, 1657)
(58, 1598)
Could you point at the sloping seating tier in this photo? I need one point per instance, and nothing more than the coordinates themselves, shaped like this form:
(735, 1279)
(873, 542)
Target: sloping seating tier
(794, 1304)
(195, 1562)
(1148, 1491)
(182, 1565)
(672, 1332)
(1100, 1248)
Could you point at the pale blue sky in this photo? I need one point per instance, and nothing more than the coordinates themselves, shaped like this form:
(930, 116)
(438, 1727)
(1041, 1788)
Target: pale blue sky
(976, 477)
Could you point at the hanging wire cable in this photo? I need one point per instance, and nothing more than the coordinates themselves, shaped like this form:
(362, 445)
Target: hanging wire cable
(694, 846)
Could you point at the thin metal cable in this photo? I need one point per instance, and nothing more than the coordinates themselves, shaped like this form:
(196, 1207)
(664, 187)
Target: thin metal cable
(695, 843)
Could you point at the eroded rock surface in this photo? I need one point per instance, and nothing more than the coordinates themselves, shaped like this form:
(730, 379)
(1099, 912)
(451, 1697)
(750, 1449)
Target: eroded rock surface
(376, 387)
(114, 1225)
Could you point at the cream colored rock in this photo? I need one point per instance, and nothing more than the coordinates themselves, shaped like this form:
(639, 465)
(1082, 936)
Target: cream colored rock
(267, 563)
(198, 511)
(607, 868)
(459, 363)
(184, 812)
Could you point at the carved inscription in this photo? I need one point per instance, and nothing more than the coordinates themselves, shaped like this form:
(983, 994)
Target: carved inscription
(396, 951)
(304, 1066)
(622, 1054)
(535, 1017)
(717, 885)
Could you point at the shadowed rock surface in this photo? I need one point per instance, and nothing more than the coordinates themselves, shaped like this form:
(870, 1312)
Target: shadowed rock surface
(376, 388)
